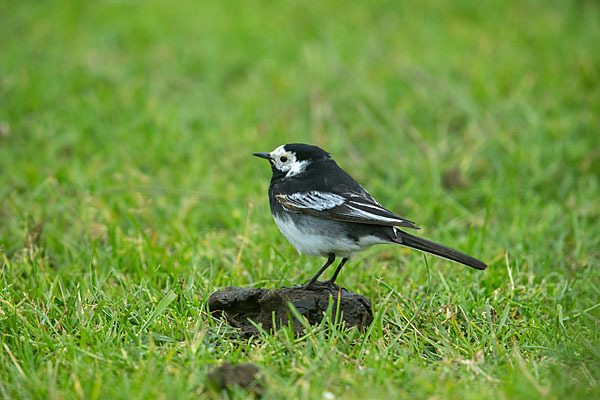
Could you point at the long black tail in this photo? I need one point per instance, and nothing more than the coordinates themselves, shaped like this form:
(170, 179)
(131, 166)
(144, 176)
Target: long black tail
(415, 242)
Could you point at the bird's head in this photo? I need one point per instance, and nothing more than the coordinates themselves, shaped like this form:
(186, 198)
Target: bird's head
(292, 159)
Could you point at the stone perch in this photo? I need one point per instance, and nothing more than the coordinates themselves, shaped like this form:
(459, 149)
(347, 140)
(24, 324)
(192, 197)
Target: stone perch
(238, 305)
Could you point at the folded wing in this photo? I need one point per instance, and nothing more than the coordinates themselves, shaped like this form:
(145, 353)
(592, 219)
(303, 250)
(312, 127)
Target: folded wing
(350, 207)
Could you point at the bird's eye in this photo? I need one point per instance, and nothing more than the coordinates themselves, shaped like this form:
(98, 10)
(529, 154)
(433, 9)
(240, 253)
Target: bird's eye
(283, 158)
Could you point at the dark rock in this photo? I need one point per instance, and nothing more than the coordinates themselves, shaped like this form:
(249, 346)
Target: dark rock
(239, 305)
(243, 375)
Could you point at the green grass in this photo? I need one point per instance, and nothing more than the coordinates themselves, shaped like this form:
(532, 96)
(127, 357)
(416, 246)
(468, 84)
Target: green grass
(128, 193)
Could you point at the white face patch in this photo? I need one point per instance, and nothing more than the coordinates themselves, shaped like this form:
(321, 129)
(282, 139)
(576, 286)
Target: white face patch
(286, 161)
(297, 168)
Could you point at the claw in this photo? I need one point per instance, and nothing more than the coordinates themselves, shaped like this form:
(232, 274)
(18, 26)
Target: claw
(323, 285)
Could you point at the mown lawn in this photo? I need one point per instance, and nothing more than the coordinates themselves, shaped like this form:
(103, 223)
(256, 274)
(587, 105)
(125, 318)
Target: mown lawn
(128, 193)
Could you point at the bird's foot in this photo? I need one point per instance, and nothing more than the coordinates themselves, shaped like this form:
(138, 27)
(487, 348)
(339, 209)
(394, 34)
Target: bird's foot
(316, 285)
(294, 287)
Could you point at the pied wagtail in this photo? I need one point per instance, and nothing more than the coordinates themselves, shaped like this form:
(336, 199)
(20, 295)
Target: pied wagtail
(322, 211)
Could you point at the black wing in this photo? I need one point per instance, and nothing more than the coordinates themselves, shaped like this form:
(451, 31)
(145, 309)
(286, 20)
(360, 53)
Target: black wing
(360, 208)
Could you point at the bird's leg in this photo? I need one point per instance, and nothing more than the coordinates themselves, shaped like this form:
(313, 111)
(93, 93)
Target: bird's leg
(331, 282)
(330, 260)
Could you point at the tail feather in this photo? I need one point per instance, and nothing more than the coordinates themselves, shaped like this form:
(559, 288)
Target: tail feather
(427, 246)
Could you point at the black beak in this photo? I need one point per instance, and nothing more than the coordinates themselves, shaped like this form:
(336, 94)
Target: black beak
(262, 155)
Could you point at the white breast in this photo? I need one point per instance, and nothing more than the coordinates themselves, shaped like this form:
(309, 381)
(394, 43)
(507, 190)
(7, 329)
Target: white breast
(318, 237)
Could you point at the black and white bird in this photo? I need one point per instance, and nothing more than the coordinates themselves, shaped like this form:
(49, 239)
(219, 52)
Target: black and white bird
(322, 211)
